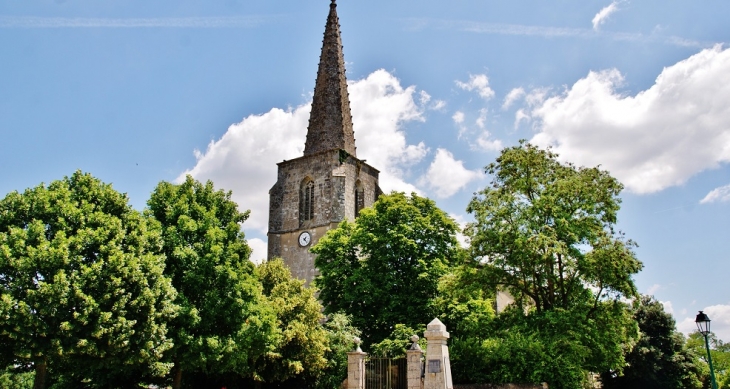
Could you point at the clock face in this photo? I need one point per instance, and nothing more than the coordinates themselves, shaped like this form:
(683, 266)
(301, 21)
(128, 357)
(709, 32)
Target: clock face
(305, 239)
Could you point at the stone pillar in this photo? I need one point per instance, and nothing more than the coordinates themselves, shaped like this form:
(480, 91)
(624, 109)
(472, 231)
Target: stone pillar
(356, 367)
(438, 366)
(415, 366)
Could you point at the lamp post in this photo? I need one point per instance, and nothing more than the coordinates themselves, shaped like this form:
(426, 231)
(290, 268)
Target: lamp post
(703, 326)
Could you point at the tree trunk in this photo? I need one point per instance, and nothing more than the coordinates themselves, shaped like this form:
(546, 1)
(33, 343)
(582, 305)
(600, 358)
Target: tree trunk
(176, 376)
(41, 371)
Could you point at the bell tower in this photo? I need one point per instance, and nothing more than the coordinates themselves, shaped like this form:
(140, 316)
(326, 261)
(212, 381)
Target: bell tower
(328, 184)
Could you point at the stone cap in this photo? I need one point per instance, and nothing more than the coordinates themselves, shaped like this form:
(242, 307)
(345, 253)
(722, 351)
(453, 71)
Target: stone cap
(436, 329)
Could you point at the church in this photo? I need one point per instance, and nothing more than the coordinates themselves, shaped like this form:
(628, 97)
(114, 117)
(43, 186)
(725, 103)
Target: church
(328, 184)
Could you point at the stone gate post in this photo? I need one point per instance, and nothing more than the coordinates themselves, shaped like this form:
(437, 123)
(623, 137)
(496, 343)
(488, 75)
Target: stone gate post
(415, 366)
(356, 367)
(438, 366)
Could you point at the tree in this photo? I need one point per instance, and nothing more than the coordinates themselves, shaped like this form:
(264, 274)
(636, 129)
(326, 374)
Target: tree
(720, 352)
(341, 340)
(544, 230)
(81, 290)
(659, 359)
(301, 350)
(225, 324)
(383, 268)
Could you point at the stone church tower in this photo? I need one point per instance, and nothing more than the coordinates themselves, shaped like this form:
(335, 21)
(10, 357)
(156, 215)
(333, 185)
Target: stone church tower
(329, 184)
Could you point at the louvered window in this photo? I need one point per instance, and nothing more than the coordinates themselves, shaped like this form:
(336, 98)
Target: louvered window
(306, 202)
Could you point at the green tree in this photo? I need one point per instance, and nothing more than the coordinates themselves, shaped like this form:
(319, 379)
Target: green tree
(544, 230)
(300, 352)
(659, 359)
(383, 268)
(720, 352)
(225, 324)
(340, 338)
(80, 288)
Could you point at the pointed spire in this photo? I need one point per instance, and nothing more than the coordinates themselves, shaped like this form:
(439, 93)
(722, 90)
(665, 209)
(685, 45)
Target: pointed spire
(330, 122)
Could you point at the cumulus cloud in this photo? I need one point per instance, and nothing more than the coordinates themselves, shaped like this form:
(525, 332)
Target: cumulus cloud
(259, 250)
(458, 117)
(603, 15)
(446, 175)
(720, 316)
(668, 308)
(721, 194)
(485, 142)
(656, 139)
(244, 159)
(479, 83)
(461, 221)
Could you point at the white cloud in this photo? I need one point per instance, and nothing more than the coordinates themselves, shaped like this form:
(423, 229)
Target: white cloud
(461, 221)
(259, 250)
(653, 289)
(244, 159)
(721, 194)
(720, 316)
(668, 308)
(478, 82)
(484, 142)
(437, 105)
(656, 139)
(446, 175)
(513, 95)
(604, 14)
(481, 121)
(458, 117)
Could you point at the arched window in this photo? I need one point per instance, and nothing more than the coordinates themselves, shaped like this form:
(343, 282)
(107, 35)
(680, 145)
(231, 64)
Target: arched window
(359, 198)
(306, 200)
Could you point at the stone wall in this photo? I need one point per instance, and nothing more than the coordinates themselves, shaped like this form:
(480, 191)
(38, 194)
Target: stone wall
(335, 174)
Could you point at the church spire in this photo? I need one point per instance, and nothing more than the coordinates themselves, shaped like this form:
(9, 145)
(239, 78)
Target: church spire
(330, 122)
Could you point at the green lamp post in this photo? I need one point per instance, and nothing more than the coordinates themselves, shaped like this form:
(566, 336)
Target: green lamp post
(703, 326)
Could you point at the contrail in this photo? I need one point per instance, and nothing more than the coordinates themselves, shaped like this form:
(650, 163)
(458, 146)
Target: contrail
(190, 22)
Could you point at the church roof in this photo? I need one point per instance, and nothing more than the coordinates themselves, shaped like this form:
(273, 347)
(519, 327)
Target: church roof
(330, 121)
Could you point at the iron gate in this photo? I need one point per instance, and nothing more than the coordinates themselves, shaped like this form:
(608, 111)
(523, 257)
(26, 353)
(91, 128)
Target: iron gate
(386, 373)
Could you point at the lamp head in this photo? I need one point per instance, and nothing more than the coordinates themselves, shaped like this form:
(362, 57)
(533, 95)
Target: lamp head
(703, 323)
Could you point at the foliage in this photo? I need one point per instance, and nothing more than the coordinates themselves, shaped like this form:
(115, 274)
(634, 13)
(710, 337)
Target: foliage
(226, 324)
(399, 341)
(340, 337)
(301, 349)
(659, 358)
(463, 304)
(384, 267)
(720, 353)
(13, 378)
(554, 346)
(80, 287)
(544, 231)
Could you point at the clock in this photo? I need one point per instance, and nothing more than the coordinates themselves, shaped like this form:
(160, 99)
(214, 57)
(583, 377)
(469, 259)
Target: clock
(305, 239)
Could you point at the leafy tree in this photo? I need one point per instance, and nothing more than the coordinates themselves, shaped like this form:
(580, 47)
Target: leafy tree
(13, 378)
(80, 288)
(720, 352)
(340, 338)
(300, 351)
(225, 324)
(397, 344)
(544, 230)
(659, 359)
(384, 267)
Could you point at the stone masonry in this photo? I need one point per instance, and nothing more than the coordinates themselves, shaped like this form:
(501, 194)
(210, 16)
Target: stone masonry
(329, 179)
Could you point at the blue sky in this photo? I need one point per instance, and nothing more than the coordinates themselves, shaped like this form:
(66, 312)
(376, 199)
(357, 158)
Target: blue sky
(136, 92)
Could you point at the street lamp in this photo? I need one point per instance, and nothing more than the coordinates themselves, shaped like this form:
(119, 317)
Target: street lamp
(703, 326)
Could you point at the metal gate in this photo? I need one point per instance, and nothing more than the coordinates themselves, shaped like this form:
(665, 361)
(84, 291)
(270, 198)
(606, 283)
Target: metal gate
(386, 373)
